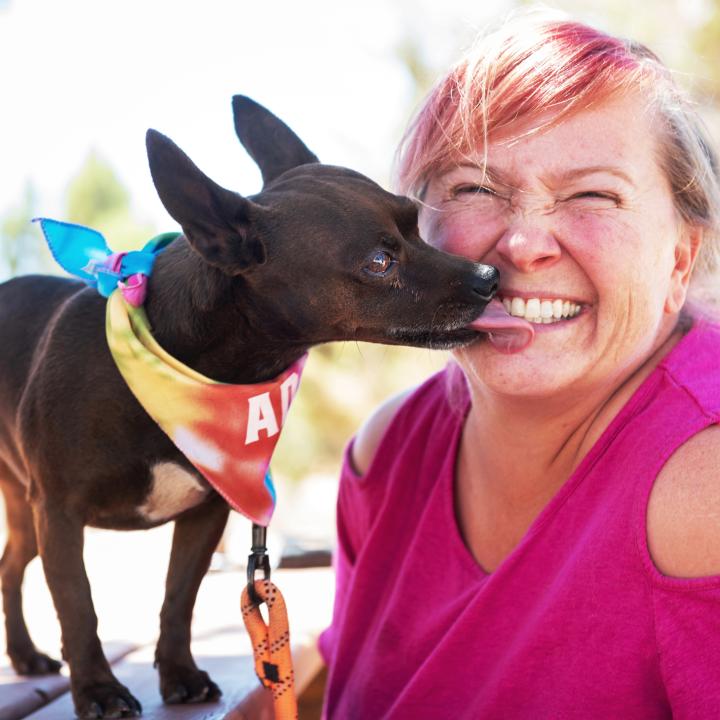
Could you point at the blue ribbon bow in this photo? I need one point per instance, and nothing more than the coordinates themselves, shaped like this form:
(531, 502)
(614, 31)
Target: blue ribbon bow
(83, 252)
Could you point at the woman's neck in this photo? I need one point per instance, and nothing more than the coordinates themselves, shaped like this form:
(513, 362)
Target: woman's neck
(515, 455)
(519, 451)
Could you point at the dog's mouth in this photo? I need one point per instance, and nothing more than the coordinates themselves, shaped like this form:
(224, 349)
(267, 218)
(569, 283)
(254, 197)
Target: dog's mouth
(506, 333)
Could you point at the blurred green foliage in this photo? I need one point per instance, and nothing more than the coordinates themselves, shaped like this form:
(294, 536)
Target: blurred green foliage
(97, 198)
(706, 44)
(96, 194)
(21, 246)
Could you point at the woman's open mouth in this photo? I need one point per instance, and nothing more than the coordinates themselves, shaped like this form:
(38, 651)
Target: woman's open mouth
(541, 311)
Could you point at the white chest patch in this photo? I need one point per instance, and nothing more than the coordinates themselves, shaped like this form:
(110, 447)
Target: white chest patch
(173, 490)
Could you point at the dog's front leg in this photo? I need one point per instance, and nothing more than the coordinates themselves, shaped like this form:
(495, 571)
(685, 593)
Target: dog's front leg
(96, 692)
(196, 536)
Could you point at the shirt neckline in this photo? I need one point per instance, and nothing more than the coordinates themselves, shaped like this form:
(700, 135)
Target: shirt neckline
(571, 484)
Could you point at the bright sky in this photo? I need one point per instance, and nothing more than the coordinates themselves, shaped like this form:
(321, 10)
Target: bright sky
(95, 74)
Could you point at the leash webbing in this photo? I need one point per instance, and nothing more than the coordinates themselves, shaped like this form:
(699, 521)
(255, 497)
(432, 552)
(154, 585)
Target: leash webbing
(271, 646)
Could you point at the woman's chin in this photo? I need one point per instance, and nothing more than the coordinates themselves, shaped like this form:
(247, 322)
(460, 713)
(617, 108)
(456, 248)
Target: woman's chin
(545, 367)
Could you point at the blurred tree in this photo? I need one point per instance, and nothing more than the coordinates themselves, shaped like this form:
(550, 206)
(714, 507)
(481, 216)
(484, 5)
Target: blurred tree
(706, 44)
(96, 193)
(22, 249)
(420, 71)
(96, 197)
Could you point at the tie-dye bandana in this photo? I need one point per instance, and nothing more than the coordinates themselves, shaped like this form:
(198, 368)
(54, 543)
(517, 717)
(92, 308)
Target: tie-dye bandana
(228, 432)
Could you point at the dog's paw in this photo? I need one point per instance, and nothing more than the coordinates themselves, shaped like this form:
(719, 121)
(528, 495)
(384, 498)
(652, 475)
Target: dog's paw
(187, 685)
(33, 662)
(105, 700)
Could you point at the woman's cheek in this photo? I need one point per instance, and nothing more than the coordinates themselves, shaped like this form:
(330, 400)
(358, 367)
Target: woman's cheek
(459, 234)
(598, 242)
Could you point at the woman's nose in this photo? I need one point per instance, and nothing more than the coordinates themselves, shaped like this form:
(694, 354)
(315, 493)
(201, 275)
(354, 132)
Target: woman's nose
(528, 248)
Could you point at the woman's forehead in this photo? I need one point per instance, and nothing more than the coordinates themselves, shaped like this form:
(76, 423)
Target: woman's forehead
(616, 136)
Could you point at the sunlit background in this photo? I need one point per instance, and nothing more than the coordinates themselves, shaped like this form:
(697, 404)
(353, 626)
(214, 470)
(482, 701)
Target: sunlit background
(82, 80)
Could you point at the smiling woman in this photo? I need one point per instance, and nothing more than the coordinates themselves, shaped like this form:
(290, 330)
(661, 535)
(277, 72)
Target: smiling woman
(603, 236)
(551, 505)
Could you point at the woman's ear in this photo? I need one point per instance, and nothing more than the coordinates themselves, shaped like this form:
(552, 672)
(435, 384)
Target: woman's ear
(686, 253)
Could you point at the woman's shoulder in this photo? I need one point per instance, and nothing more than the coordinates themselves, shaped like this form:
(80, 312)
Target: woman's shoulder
(373, 430)
(693, 363)
(683, 514)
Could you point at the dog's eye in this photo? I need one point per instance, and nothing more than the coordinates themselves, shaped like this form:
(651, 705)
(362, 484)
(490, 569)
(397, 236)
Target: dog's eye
(380, 263)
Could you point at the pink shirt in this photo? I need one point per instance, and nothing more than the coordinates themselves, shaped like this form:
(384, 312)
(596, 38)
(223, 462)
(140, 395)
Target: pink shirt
(575, 623)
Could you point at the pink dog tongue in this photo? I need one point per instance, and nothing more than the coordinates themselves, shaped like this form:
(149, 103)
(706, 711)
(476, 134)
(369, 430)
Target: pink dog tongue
(506, 333)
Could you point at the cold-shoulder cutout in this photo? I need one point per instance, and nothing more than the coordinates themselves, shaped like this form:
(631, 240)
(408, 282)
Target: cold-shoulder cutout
(372, 430)
(683, 513)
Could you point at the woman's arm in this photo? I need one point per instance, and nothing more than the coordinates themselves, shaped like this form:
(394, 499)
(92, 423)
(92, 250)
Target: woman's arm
(683, 520)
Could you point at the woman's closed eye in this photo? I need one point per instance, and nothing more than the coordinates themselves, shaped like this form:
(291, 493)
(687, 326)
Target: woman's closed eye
(597, 196)
(473, 189)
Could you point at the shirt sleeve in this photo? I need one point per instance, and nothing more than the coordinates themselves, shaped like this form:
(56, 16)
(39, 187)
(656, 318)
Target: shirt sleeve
(687, 626)
(350, 529)
(361, 497)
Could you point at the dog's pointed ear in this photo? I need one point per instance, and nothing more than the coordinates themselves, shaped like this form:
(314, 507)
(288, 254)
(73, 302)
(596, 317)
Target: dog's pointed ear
(268, 140)
(218, 223)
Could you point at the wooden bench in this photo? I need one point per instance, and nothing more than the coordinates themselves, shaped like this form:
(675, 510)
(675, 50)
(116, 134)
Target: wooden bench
(20, 696)
(220, 646)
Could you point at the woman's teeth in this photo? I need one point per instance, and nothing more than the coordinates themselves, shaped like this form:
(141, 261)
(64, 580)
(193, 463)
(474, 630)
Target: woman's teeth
(542, 311)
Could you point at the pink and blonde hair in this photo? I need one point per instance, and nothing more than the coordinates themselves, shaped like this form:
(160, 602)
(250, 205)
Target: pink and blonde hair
(535, 63)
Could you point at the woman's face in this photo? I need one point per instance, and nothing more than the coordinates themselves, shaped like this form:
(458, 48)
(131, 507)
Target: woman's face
(579, 220)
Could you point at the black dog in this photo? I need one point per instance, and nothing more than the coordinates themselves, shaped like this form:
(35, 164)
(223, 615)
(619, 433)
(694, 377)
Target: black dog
(321, 254)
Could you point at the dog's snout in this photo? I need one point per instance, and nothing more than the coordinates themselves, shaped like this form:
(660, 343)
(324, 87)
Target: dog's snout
(486, 281)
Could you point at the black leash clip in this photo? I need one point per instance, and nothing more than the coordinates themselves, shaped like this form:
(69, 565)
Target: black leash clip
(258, 560)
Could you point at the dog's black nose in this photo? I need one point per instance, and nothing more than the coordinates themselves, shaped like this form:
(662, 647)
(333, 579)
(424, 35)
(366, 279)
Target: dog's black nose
(486, 281)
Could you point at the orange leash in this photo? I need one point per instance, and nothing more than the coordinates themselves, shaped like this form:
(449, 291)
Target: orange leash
(271, 646)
